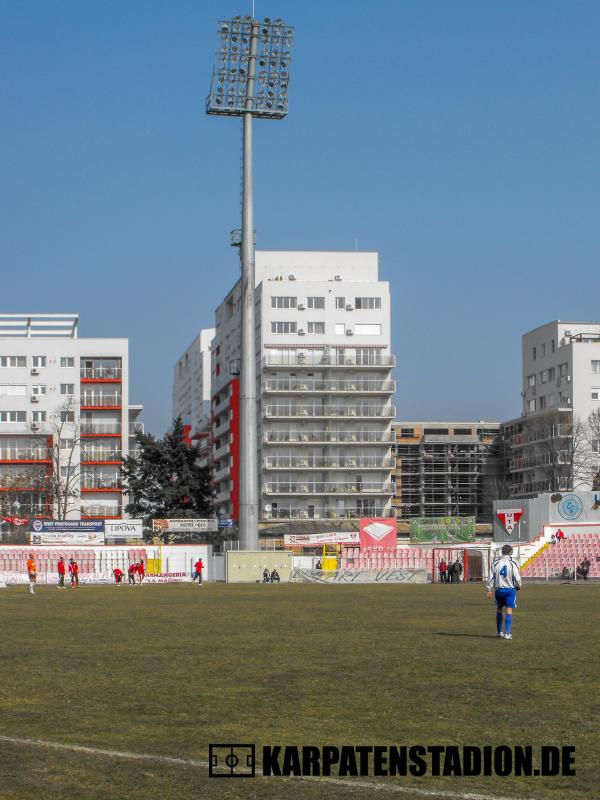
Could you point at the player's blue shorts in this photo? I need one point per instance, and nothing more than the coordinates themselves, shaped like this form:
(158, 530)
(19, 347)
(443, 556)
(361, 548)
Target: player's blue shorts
(506, 598)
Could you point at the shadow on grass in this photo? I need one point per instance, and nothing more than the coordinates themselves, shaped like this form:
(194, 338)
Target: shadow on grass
(469, 635)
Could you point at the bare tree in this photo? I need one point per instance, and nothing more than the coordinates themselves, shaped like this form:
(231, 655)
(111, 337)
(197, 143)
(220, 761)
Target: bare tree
(66, 451)
(591, 451)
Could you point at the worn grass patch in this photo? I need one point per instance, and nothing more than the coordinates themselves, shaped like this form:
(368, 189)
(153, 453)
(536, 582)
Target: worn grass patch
(168, 669)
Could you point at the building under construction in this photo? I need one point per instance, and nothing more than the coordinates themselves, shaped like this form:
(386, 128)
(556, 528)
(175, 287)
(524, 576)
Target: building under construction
(446, 469)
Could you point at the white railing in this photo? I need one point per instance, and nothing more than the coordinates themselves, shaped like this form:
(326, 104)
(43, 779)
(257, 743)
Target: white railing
(326, 487)
(101, 511)
(101, 373)
(100, 399)
(290, 511)
(39, 454)
(99, 483)
(136, 427)
(310, 359)
(321, 462)
(100, 427)
(326, 412)
(91, 454)
(326, 437)
(309, 385)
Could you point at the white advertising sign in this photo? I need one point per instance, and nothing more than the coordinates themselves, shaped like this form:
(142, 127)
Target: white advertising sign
(184, 525)
(124, 529)
(315, 539)
(67, 537)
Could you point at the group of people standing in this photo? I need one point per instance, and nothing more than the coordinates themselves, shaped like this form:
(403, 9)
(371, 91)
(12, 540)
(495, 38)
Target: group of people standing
(62, 568)
(450, 573)
(135, 574)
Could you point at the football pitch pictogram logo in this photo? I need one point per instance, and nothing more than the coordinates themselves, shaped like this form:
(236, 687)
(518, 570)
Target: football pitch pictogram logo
(231, 761)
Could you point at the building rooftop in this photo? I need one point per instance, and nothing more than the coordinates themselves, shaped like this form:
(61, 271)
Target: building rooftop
(36, 325)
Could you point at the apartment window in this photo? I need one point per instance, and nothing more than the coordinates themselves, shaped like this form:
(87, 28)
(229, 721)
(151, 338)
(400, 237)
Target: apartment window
(340, 328)
(340, 302)
(67, 388)
(368, 355)
(13, 361)
(544, 376)
(367, 330)
(436, 432)
(67, 416)
(551, 373)
(534, 353)
(531, 405)
(562, 369)
(543, 349)
(407, 433)
(13, 416)
(38, 389)
(553, 345)
(531, 381)
(367, 303)
(316, 327)
(315, 302)
(596, 366)
(283, 327)
(38, 416)
(283, 302)
(13, 390)
(67, 361)
(595, 394)
(542, 402)
(38, 361)
(67, 444)
(462, 431)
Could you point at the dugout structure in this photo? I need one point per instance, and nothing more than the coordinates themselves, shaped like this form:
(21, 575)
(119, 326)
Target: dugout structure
(474, 561)
(442, 529)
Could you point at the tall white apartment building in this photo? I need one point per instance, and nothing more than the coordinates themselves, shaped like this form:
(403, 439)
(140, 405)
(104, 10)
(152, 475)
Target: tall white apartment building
(324, 384)
(560, 389)
(192, 386)
(64, 404)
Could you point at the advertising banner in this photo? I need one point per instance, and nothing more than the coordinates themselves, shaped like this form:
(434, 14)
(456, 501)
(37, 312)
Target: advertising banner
(68, 531)
(124, 529)
(184, 525)
(316, 539)
(380, 533)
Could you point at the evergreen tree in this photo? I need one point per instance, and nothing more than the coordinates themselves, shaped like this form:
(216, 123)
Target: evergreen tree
(166, 480)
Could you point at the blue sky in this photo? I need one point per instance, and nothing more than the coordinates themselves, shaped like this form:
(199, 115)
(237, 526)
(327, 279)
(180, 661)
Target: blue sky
(460, 140)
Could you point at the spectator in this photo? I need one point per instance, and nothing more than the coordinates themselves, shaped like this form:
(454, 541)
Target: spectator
(565, 574)
(318, 565)
(455, 572)
(560, 535)
(61, 568)
(553, 539)
(266, 575)
(443, 569)
(118, 573)
(585, 568)
(74, 573)
(275, 576)
(131, 573)
(31, 573)
(198, 567)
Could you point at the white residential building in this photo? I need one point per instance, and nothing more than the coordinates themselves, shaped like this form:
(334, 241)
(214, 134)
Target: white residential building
(561, 388)
(191, 385)
(324, 383)
(62, 393)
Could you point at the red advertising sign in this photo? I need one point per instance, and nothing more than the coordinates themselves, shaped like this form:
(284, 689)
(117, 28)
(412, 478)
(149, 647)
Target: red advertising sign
(15, 520)
(509, 518)
(378, 532)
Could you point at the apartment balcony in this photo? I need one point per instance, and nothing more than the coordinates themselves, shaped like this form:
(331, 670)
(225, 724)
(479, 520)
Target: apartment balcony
(540, 460)
(222, 405)
(101, 375)
(292, 511)
(101, 512)
(316, 437)
(289, 411)
(102, 429)
(221, 451)
(333, 387)
(90, 402)
(324, 487)
(333, 361)
(319, 462)
(222, 473)
(136, 427)
(106, 486)
(89, 456)
(25, 456)
(222, 428)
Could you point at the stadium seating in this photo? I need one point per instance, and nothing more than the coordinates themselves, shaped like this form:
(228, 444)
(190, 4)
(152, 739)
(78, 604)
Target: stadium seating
(404, 558)
(568, 552)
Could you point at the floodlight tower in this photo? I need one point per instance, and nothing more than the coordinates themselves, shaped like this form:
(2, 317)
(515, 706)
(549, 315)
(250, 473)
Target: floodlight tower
(250, 79)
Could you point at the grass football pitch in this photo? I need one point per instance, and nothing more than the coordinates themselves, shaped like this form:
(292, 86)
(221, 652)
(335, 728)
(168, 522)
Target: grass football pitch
(166, 670)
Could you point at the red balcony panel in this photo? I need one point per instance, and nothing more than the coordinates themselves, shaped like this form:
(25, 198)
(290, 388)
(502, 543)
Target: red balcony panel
(115, 490)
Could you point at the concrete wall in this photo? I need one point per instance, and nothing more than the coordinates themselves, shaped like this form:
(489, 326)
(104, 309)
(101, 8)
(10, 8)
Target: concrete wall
(247, 566)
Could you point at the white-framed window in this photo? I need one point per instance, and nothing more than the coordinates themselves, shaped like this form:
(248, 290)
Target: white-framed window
(283, 302)
(595, 395)
(38, 389)
(13, 390)
(368, 355)
(13, 416)
(13, 361)
(544, 376)
(67, 388)
(67, 444)
(542, 402)
(596, 366)
(340, 328)
(562, 369)
(368, 303)
(367, 330)
(67, 361)
(38, 416)
(551, 374)
(531, 405)
(315, 327)
(38, 361)
(340, 302)
(283, 327)
(67, 416)
(531, 381)
(315, 302)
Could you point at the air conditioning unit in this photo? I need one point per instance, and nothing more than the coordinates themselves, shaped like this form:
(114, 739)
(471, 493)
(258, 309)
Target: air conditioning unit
(301, 307)
(568, 379)
(301, 332)
(568, 333)
(291, 277)
(35, 426)
(337, 278)
(568, 401)
(349, 307)
(349, 332)
(35, 371)
(35, 398)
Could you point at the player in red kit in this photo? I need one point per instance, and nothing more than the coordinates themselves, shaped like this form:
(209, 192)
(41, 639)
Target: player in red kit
(61, 568)
(118, 573)
(198, 567)
(140, 572)
(74, 573)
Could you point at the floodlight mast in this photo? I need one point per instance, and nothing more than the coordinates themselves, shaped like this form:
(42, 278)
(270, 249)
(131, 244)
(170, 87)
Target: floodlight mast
(233, 93)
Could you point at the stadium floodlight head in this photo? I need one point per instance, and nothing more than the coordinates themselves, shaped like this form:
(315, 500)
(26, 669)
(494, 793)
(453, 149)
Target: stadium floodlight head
(250, 79)
(252, 70)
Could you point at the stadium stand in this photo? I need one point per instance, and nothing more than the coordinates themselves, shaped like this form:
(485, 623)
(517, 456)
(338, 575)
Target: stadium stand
(568, 552)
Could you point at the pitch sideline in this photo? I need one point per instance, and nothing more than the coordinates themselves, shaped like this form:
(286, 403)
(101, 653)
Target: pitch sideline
(189, 762)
